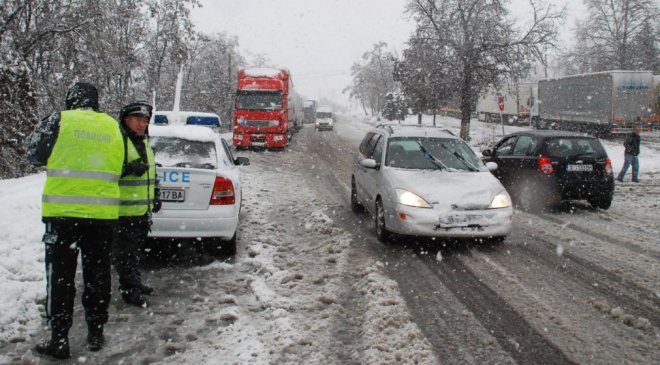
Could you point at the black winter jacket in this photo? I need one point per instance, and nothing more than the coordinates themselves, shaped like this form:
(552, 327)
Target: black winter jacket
(631, 144)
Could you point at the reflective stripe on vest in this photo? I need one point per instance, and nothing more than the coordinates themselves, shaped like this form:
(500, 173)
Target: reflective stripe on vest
(137, 192)
(84, 167)
(83, 175)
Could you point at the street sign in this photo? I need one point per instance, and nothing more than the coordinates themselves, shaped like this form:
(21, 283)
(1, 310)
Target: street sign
(500, 103)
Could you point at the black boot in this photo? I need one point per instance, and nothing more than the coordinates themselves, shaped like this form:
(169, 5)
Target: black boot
(95, 339)
(57, 347)
(145, 289)
(135, 297)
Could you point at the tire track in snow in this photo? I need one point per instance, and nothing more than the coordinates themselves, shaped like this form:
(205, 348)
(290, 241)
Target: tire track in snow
(603, 237)
(637, 300)
(520, 339)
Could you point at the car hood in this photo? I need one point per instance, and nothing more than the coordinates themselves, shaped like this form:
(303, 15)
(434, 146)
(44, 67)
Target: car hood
(449, 190)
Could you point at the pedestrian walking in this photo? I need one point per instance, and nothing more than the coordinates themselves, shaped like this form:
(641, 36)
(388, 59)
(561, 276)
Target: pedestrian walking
(631, 153)
(138, 200)
(83, 152)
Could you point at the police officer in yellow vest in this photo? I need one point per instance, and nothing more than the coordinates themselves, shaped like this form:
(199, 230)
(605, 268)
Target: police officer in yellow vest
(83, 152)
(139, 198)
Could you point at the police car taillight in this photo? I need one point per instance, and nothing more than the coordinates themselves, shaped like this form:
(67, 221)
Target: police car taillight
(223, 192)
(545, 165)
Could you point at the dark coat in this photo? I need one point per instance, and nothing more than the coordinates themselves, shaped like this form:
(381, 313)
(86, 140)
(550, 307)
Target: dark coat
(631, 144)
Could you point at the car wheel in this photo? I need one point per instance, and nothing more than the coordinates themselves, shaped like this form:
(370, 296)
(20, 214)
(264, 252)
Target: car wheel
(218, 247)
(382, 233)
(356, 206)
(602, 202)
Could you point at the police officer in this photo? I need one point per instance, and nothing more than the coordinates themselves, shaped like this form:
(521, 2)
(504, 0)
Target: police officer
(83, 152)
(138, 199)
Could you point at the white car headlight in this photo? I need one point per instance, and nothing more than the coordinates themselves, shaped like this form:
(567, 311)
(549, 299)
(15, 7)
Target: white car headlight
(411, 199)
(501, 200)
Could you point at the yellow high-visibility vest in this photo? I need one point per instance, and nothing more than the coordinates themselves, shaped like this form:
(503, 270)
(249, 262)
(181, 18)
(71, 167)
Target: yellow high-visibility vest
(137, 192)
(84, 168)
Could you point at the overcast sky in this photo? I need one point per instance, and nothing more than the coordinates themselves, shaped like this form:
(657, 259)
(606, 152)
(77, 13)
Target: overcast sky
(319, 40)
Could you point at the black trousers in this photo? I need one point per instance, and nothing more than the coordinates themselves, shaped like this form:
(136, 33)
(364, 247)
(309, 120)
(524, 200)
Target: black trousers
(63, 241)
(131, 237)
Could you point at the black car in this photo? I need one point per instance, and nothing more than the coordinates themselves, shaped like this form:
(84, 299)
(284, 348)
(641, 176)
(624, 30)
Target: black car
(539, 168)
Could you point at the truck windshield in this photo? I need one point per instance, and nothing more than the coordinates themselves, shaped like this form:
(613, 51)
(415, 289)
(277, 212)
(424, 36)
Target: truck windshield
(259, 100)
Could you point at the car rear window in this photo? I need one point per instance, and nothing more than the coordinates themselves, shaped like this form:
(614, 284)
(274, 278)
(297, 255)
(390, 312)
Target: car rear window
(574, 146)
(179, 152)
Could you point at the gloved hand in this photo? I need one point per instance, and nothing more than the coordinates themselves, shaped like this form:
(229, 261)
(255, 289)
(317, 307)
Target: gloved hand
(137, 168)
(157, 202)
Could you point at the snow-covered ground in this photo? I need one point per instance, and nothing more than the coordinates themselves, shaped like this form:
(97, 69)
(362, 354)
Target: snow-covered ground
(302, 290)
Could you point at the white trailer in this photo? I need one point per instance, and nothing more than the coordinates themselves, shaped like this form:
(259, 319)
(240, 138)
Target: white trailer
(519, 104)
(600, 103)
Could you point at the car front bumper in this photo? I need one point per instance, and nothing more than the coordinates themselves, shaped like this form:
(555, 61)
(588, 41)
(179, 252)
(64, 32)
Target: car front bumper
(431, 222)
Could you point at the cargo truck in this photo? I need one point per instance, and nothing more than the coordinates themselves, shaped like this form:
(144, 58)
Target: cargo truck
(309, 111)
(268, 111)
(601, 103)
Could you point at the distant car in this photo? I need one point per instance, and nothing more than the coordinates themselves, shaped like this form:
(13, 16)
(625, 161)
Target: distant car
(200, 186)
(325, 118)
(541, 168)
(424, 181)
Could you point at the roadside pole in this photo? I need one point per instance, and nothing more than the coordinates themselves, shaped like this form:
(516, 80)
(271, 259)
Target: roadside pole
(500, 105)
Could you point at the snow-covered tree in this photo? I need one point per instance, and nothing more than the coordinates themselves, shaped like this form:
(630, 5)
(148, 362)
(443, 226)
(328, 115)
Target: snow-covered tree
(618, 35)
(373, 78)
(395, 107)
(210, 76)
(480, 44)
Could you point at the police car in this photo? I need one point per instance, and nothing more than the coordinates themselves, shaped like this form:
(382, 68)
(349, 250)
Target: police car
(200, 186)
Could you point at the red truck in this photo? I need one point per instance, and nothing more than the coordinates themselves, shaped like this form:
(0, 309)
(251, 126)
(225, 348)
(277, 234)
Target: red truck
(268, 111)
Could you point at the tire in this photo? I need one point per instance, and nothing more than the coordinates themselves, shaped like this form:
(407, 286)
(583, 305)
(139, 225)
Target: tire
(382, 233)
(603, 202)
(218, 247)
(356, 206)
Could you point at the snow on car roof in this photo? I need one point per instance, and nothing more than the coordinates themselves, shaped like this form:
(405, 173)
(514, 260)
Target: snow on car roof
(189, 132)
(263, 72)
(416, 130)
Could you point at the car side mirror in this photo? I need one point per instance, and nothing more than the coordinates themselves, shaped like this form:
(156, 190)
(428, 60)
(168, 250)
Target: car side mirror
(491, 166)
(242, 161)
(487, 152)
(369, 163)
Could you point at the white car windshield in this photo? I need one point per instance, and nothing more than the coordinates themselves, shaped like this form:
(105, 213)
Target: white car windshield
(179, 152)
(428, 153)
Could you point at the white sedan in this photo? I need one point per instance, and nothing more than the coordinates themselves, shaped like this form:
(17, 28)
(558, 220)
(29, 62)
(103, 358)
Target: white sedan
(424, 181)
(200, 187)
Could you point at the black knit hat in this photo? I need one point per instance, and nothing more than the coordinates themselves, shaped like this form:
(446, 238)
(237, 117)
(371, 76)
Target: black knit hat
(82, 95)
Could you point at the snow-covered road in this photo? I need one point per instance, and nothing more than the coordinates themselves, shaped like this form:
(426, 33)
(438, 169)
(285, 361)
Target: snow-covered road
(311, 285)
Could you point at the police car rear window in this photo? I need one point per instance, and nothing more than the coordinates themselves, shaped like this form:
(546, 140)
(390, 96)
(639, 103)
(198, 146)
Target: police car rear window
(178, 152)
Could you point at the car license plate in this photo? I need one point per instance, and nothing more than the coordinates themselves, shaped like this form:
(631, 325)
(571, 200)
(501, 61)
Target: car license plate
(172, 195)
(579, 168)
(456, 220)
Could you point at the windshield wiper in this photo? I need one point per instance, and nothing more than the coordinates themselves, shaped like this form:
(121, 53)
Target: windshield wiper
(432, 158)
(461, 158)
